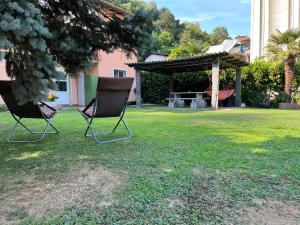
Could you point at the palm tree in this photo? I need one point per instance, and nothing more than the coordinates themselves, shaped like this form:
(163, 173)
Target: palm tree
(285, 47)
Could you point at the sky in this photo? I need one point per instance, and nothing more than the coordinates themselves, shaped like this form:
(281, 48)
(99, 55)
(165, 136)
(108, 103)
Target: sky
(234, 14)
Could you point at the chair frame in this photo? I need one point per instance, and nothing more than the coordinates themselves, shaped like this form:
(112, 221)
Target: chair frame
(12, 131)
(94, 135)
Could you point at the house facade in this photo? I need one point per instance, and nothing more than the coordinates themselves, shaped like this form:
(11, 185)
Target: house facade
(80, 89)
(154, 57)
(239, 45)
(267, 16)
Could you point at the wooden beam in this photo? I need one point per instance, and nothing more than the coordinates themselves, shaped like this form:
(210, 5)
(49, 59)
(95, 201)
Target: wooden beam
(171, 84)
(228, 64)
(238, 88)
(138, 91)
(215, 84)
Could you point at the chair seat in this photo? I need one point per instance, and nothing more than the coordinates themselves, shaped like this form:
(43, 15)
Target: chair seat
(88, 113)
(49, 112)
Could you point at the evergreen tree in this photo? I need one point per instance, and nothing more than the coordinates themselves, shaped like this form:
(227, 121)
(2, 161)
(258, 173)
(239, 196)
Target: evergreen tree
(35, 35)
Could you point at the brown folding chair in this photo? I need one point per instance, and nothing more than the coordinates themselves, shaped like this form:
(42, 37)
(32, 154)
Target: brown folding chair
(28, 110)
(110, 101)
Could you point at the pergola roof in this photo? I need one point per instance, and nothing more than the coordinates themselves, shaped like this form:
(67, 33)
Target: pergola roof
(191, 64)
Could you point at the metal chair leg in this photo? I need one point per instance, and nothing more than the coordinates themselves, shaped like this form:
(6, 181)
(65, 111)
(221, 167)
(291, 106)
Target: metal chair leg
(42, 134)
(94, 135)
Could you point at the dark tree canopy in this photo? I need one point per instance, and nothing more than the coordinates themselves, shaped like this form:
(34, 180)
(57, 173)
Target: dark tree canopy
(36, 35)
(218, 35)
(166, 21)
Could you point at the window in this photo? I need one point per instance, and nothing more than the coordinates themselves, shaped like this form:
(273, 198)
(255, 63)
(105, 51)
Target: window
(61, 85)
(119, 73)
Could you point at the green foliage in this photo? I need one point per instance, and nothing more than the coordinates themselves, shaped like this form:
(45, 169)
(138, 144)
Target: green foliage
(154, 88)
(262, 82)
(38, 34)
(165, 41)
(23, 37)
(172, 37)
(197, 81)
(166, 21)
(191, 48)
(218, 35)
(193, 41)
(192, 31)
(285, 48)
(284, 45)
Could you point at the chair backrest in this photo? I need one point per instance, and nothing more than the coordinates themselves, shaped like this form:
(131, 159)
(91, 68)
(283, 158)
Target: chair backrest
(112, 96)
(27, 110)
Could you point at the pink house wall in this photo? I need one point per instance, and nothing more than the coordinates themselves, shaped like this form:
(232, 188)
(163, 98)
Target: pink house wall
(74, 92)
(108, 62)
(3, 75)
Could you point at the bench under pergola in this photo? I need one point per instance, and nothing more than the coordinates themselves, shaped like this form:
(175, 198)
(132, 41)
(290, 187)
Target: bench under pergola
(213, 61)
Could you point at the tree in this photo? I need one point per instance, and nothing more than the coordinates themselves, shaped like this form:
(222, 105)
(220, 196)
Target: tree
(218, 35)
(151, 9)
(37, 35)
(165, 41)
(193, 41)
(193, 31)
(285, 47)
(166, 21)
(191, 48)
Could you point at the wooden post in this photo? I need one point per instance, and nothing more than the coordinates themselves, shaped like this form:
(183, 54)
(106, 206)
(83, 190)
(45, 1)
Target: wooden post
(171, 84)
(238, 88)
(215, 84)
(138, 88)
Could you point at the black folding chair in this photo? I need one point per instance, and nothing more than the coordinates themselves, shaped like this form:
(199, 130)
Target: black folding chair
(28, 110)
(110, 101)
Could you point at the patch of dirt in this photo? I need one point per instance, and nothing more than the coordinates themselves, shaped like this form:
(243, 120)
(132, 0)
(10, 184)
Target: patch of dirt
(79, 188)
(272, 213)
(200, 171)
(175, 202)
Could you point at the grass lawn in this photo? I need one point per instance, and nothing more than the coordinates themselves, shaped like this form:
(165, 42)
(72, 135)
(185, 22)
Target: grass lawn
(180, 167)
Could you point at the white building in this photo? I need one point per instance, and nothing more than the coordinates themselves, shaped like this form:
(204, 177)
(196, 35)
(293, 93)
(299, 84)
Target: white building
(155, 57)
(267, 16)
(240, 45)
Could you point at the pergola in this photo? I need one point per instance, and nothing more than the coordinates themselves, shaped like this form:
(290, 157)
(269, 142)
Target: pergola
(213, 61)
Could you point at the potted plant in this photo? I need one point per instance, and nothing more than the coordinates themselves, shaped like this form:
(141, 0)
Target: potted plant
(51, 98)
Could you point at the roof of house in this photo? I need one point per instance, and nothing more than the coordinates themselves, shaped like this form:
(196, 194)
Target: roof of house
(111, 9)
(226, 46)
(190, 64)
(243, 39)
(156, 53)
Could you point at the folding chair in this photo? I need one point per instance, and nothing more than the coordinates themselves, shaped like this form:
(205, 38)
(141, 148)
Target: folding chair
(28, 110)
(110, 101)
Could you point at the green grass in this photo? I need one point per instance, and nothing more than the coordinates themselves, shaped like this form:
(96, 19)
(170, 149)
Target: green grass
(182, 166)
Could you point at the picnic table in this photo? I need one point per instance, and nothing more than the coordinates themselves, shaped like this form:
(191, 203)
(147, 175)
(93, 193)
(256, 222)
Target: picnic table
(177, 99)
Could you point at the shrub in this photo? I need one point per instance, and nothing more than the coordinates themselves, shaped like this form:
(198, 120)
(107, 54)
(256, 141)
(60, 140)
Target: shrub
(3, 108)
(259, 79)
(155, 87)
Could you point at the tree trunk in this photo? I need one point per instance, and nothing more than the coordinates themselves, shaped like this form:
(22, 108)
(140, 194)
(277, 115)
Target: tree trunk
(289, 71)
